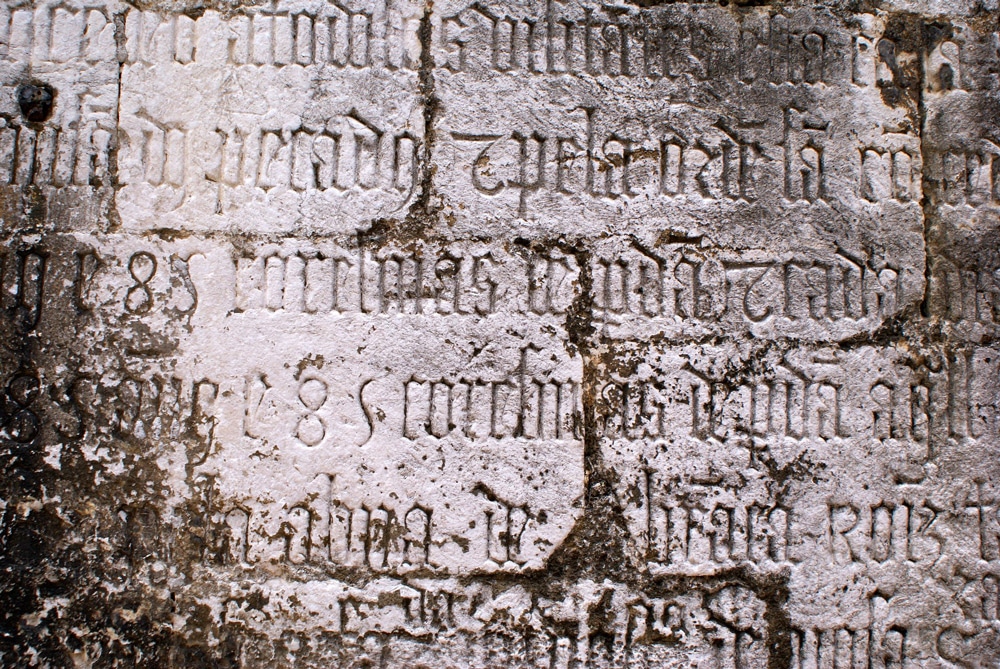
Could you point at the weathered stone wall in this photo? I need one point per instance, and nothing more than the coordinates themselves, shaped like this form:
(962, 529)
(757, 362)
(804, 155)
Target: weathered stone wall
(543, 333)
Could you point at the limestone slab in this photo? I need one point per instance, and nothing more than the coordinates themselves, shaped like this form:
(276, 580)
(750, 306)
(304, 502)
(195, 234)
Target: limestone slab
(488, 334)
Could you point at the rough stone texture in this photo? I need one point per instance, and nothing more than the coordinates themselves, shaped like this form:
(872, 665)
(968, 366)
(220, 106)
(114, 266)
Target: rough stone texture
(500, 334)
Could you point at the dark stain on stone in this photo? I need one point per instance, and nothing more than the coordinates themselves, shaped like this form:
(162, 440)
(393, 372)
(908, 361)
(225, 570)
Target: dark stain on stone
(36, 102)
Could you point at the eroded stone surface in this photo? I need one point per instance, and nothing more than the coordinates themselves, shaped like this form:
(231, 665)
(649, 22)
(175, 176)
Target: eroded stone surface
(503, 334)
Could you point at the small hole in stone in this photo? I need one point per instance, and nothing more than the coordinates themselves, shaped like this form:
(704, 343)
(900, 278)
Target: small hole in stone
(36, 101)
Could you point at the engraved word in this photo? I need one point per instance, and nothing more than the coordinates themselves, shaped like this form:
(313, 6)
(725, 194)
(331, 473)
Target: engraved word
(312, 395)
(970, 178)
(378, 538)
(944, 400)
(55, 33)
(139, 298)
(986, 511)
(419, 609)
(521, 405)
(633, 410)
(334, 533)
(505, 524)
(348, 153)
(844, 648)
(551, 283)
(72, 156)
(793, 405)
(882, 533)
(805, 169)
(604, 41)
(22, 283)
(685, 534)
(144, 408)
(340, 281)
(962, 295)
(717, 164)
(19, 422)
(336, 36)
(947, 68)
(888, 174)
(640, 284)
(181, 296)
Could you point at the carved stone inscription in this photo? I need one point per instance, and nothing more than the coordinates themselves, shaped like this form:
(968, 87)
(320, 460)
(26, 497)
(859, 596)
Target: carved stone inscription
(543, 333)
